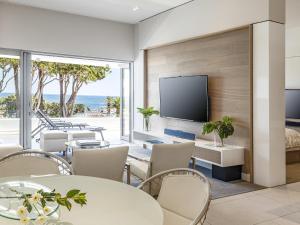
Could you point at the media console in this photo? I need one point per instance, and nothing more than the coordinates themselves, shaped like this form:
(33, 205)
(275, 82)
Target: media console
(226, 161)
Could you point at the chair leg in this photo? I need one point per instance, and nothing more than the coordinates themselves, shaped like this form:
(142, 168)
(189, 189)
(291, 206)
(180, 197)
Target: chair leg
(128, 173)
(193, 163)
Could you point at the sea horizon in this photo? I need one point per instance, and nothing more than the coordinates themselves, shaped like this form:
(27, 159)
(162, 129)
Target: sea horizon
(91, 101)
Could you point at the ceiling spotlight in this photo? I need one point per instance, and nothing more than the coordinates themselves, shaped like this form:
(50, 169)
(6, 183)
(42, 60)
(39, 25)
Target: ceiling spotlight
(135, 8)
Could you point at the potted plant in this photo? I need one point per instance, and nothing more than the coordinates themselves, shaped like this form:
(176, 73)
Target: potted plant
(147, 113)
(223, 128)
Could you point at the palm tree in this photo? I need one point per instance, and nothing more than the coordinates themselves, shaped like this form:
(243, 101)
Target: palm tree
(116, 103)
(109, 102)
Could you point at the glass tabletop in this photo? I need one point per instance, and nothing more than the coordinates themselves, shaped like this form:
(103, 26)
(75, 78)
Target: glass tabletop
(9, 204)
(86, 144)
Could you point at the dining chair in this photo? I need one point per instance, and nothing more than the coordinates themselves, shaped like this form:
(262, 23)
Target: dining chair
(163, 157)
(184, 195)
(28, 162)
(106, 163)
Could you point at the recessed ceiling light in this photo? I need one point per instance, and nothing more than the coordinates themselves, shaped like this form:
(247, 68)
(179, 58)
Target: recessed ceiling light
(135, 8)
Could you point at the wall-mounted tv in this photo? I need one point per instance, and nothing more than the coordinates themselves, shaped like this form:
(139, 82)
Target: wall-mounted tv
(292, 103)
(184, 97)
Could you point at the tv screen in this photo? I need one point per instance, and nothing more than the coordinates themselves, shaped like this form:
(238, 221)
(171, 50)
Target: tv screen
(184, 97)
(292, 103)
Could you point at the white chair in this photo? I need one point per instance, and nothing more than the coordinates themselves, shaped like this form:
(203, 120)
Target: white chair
(7, 149)
(184, 195)
(163, 157)
(27, 163)
(53, 140)
(106, 163)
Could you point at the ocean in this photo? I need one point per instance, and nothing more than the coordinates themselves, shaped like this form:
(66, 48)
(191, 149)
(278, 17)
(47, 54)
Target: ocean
(92, 102)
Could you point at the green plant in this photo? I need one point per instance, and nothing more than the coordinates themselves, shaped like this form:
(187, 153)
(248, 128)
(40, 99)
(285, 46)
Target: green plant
(147, 112)
(223, 128)
(116, 103)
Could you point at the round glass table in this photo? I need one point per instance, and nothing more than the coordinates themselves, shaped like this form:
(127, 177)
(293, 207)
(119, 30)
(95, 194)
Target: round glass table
(108, 202)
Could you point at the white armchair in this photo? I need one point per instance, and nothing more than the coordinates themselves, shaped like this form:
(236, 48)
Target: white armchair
(106, 163)
(163, 157)
(184, 195)
(28, 162)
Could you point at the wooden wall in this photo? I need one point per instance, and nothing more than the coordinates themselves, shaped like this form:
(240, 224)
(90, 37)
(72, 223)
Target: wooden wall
(227, 60)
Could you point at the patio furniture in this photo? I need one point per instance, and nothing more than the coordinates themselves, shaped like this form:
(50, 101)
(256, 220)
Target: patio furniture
(184, 195)
(81, 135)
(7, 149)
(57, 124)
(163, 157)
(109, 202)
(27, 163)
(53, 140)
(53, 124)
(104, 163)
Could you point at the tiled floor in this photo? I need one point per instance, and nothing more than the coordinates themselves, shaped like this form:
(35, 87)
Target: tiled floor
(272, 206)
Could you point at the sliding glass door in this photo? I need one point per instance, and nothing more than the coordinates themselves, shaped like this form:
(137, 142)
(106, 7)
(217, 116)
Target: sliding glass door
(28, 83)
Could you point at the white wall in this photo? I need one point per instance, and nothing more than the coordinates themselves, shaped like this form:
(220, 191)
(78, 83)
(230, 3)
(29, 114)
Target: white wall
(200, 18)
(42, 30)
(293, 44)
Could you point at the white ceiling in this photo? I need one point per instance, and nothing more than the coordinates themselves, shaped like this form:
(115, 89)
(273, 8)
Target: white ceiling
(116, 10)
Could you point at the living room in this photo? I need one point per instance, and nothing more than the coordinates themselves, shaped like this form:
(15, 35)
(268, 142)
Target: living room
(201, 91)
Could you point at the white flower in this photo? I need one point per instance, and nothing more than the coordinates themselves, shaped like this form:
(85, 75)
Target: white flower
(46, 210)
(22, 212)
(35, 198)
(40, 220)
(25, 220)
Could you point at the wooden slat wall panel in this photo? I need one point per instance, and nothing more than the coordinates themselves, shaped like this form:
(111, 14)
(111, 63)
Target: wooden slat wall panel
(226, 59)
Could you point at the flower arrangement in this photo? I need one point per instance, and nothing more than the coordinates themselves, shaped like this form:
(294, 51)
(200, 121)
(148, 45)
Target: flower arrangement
(38, 202)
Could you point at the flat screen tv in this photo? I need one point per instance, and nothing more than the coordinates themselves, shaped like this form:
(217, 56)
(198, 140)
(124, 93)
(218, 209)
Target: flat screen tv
(292, 103)
(184, 97)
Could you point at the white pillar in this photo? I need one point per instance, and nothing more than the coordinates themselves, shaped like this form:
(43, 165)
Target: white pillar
(269, 104)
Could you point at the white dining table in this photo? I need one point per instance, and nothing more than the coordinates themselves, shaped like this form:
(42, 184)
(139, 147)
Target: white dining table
(108, 202)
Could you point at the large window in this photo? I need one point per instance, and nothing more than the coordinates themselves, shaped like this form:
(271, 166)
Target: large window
(9, 98)
(80, 91)
(74, 90)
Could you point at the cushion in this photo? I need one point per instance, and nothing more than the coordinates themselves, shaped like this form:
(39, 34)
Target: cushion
(171, 218)
(292, 138)
(54, 134)
(139, 168)
(185, 195)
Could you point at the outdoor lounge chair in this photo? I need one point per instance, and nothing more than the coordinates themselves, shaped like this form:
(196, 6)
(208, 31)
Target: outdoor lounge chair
(56, 124)
(53, 124)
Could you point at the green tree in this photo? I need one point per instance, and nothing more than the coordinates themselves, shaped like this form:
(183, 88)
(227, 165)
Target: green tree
(79, 108)
(8, 106)
(43, 73)
(84, 74)
(7, 65)
(116, 104)
(109, 103)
